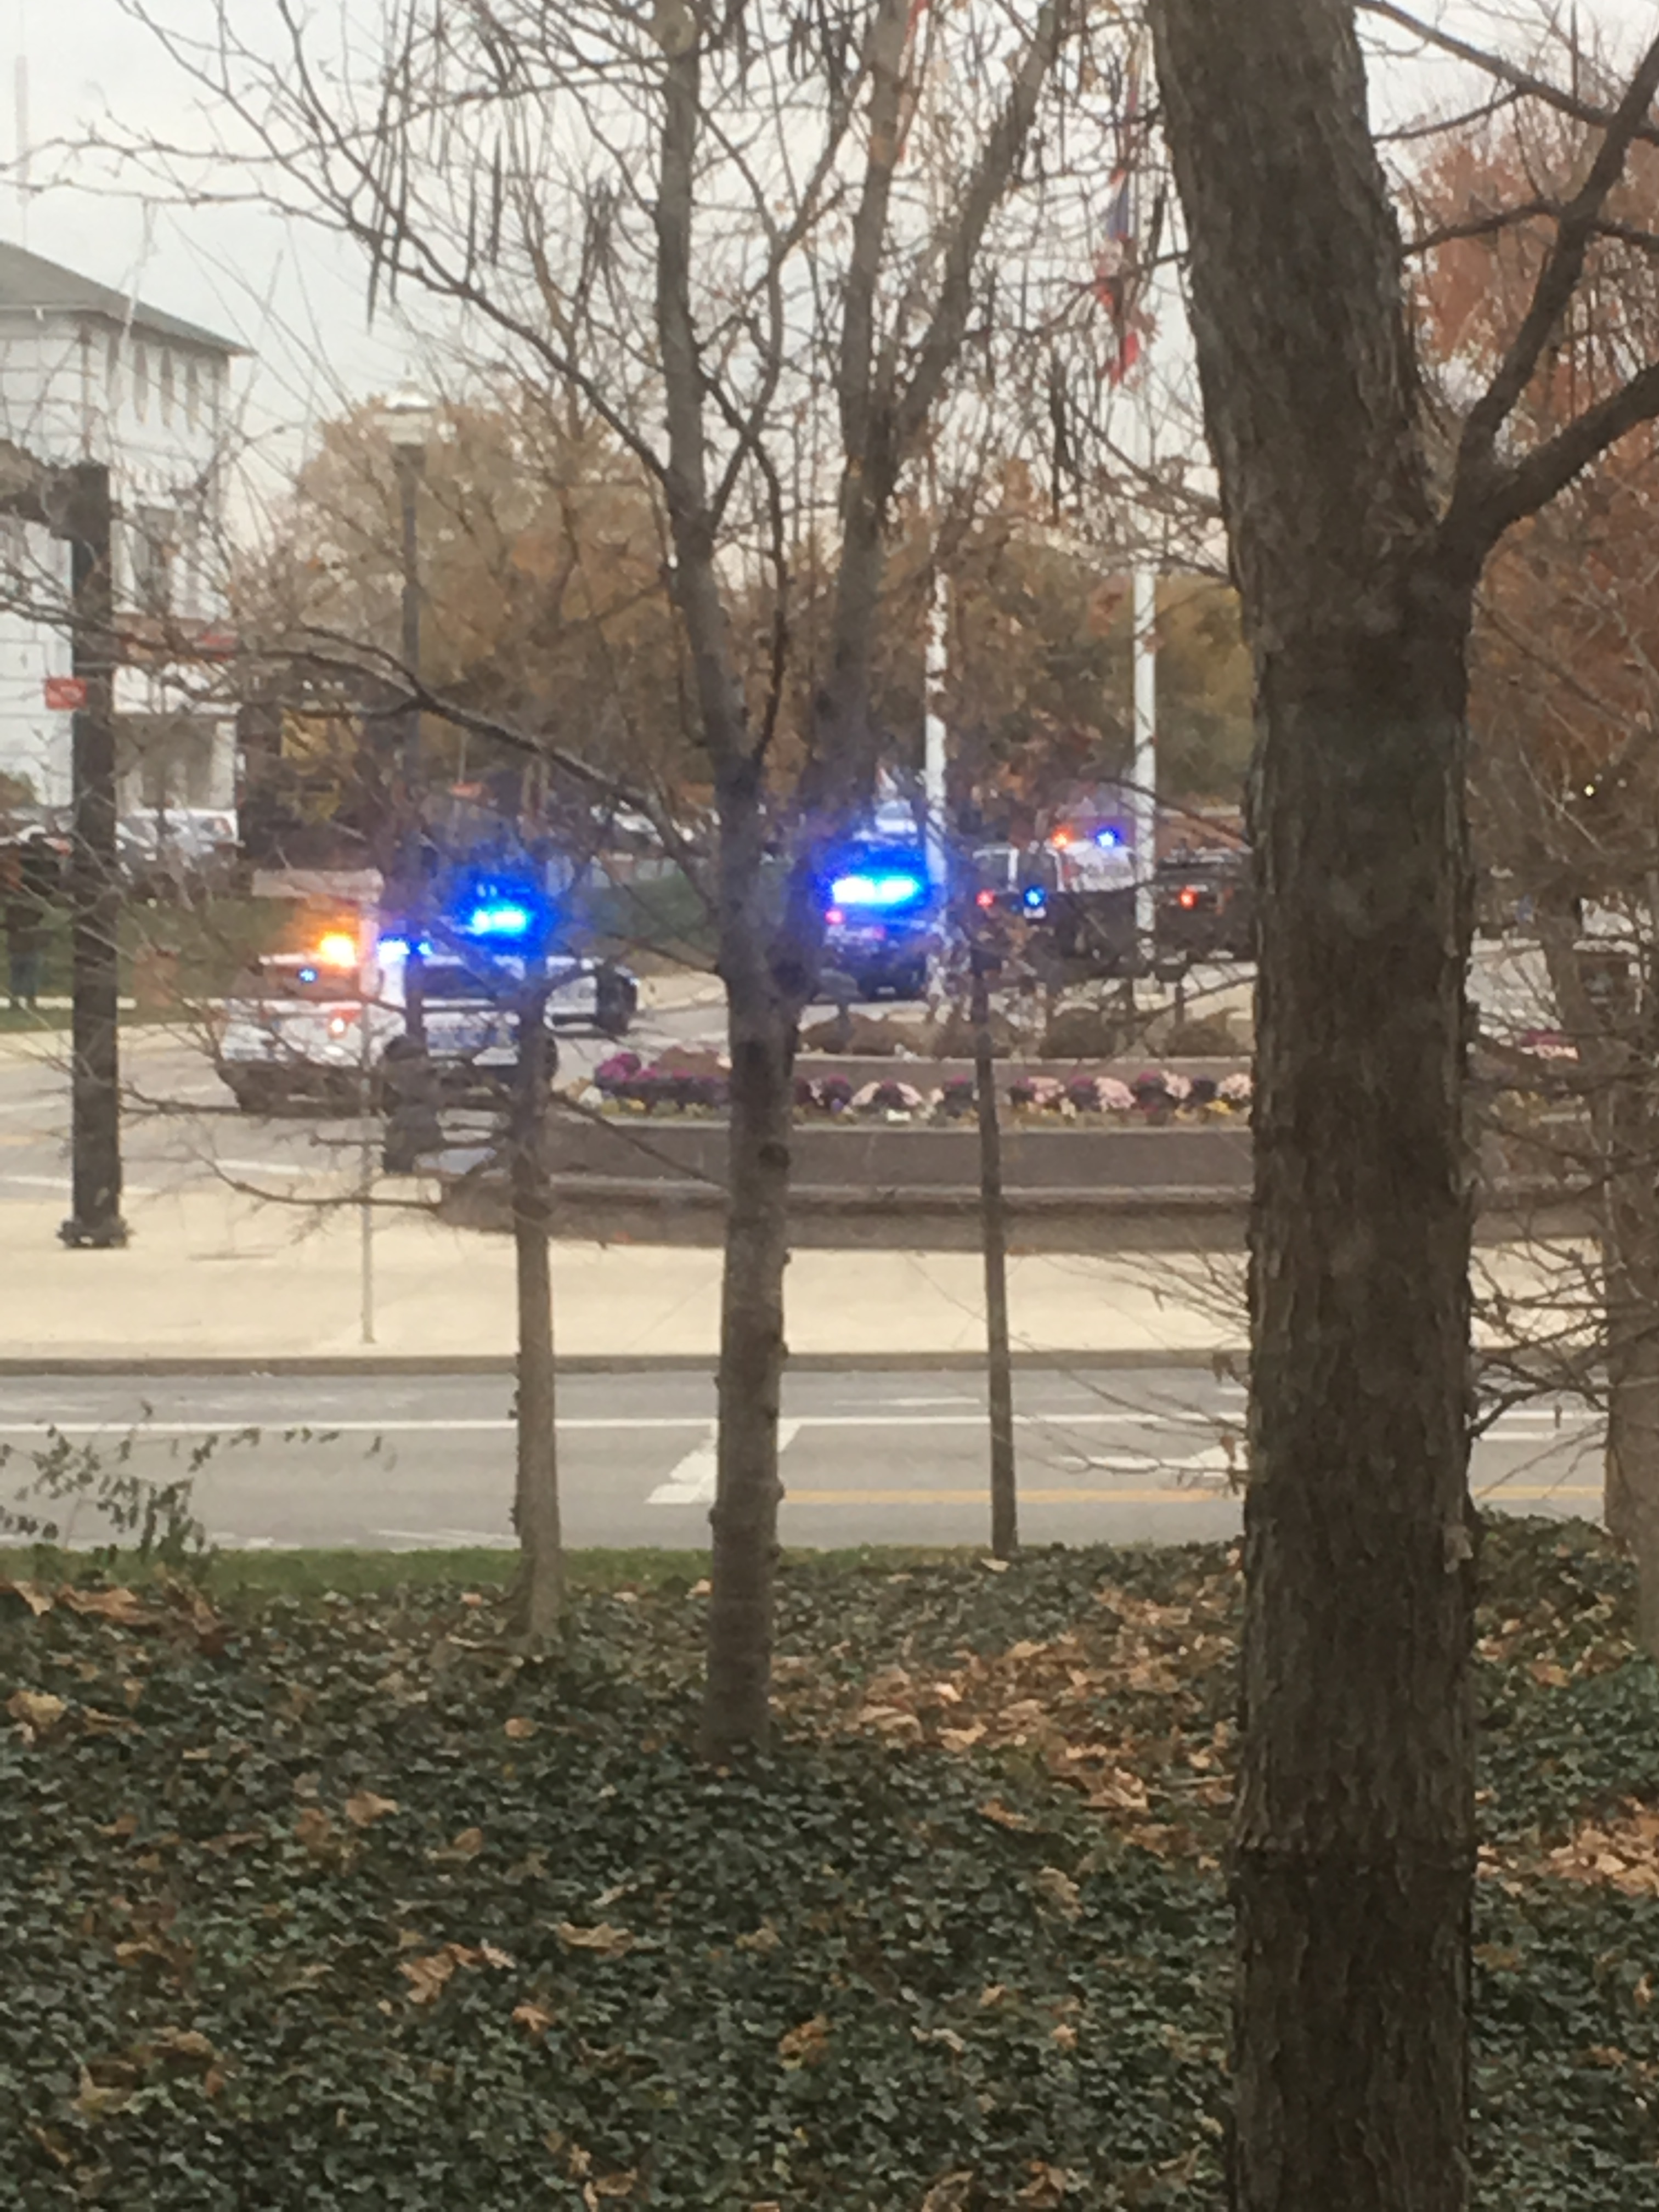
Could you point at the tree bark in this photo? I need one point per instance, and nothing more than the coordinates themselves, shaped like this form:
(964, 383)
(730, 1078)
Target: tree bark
(540, 1595)
(993, 1238)
(1631, 1275)
(737, 1697)
(1352, 1854)
(1611, 1014)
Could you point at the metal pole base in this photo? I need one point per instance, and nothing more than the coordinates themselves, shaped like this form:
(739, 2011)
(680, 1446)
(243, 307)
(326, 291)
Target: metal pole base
(93, 1236)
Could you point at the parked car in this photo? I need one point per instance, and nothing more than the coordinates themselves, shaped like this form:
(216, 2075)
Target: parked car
(1204, 907)
(162, 851)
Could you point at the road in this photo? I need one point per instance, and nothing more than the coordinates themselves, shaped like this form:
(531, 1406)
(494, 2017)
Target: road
(180, 1128)
(874, 1457)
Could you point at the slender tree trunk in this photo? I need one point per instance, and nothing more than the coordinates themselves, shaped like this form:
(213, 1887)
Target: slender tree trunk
(1352, 1856)
(1630, 1246)
(541, 1592)
(994, 1238)
(744, 1521)
(1610, 1013)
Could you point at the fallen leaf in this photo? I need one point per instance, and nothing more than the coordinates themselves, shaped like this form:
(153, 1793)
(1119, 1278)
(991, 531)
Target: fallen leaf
(315, 1830)
(363, 1808)
(535, 2017)
(468, 1843)
(429, 1975)
(519, 1729)
(37, 1600)
(1004, 1815)
(1046, 2188)
(182, 2043)
(493, 1957)
(122, 1606)
(961, 1739)
(950, 2193)
(763, 1938)
(610, 1942)
(94, 2100)
(38, 1710)
(807, 2044)
(1061, 1890)
(701, 1589)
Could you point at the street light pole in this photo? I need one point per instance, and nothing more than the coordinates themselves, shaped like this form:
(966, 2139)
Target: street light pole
(81, 497)
(407, 418)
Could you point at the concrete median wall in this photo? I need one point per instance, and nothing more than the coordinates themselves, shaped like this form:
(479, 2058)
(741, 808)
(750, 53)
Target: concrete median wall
(645, 1180)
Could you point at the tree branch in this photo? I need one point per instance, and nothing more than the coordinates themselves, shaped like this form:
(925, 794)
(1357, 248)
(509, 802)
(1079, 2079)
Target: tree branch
(1558, 280)
(1508, 72)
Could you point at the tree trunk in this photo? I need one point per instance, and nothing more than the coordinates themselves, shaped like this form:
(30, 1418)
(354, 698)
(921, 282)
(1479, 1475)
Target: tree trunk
(1352, 1856)
(1631, 1249)
(1353, 1846)
(994, 1238)
(1610, 1013)
(540, 1595)
(736, 1710)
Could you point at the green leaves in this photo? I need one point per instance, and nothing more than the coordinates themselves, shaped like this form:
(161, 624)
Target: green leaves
(355, 1904)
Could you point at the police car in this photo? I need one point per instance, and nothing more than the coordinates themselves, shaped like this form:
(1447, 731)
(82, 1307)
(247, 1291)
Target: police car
(316, 1026)
(882, 923)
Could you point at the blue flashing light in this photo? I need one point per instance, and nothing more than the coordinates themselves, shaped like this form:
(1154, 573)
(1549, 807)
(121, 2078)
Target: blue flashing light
(884, 891)
(1111, 839)
(1036, 900)
(307, 975)
(505, 919)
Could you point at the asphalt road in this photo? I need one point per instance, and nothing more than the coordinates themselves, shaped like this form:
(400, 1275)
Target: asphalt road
(890, 1457)
(180, 1128)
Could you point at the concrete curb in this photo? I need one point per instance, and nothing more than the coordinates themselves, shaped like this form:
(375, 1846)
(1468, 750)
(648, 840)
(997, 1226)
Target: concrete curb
(1121, 1360)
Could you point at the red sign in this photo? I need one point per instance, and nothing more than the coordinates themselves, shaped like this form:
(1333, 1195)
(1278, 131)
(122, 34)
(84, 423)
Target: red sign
(65, 694)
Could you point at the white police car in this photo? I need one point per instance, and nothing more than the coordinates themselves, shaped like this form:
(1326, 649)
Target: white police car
(316, 1026)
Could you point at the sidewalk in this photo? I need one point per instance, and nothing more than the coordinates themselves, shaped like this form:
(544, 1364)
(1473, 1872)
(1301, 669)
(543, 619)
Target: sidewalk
(215, 1276)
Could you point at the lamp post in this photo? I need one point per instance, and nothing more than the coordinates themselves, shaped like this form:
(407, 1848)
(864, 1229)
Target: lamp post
(408, 418)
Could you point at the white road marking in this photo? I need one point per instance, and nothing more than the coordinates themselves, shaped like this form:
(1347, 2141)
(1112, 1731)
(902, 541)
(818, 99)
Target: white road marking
(692, 1480)
(1183, 1426)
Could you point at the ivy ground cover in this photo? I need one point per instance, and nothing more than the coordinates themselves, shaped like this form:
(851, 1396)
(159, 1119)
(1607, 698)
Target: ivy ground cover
(340, 1901)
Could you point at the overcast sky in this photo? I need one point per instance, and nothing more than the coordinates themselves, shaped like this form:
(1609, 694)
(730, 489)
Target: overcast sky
(293, 296)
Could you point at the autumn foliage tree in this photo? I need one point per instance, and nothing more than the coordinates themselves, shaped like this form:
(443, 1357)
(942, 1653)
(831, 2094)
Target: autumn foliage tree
(1564, 714)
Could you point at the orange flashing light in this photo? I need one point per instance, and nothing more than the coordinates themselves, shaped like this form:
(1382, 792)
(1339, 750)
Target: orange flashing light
(337, 950)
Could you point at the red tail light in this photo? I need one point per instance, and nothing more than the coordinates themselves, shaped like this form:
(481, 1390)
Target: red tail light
(835, 917)
(1188, 898)
(985, 899)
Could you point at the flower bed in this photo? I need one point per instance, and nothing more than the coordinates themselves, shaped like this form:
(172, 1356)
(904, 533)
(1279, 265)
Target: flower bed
(624, 1084)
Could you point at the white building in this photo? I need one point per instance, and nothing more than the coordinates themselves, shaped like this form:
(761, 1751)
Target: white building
(88, 373)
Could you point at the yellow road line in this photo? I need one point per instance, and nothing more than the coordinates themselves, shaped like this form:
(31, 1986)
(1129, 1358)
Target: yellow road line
(1527, 1494)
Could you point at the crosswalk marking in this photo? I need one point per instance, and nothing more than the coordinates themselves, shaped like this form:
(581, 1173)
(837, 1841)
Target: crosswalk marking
(692, 1481)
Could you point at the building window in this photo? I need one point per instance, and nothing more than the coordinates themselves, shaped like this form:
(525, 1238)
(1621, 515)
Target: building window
(166, 381)
(192, 392)
(153, 549)
(140, 382)
(113, 370)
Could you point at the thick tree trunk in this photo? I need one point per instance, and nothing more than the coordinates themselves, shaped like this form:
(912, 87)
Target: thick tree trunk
(1353, 1846)
(540, 1593)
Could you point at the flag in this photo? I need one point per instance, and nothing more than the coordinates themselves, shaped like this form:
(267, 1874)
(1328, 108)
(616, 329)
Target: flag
(1119, 276)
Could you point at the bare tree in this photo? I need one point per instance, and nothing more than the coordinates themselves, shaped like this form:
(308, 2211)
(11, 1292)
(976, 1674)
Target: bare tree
(702, 225)
(1356, 565)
